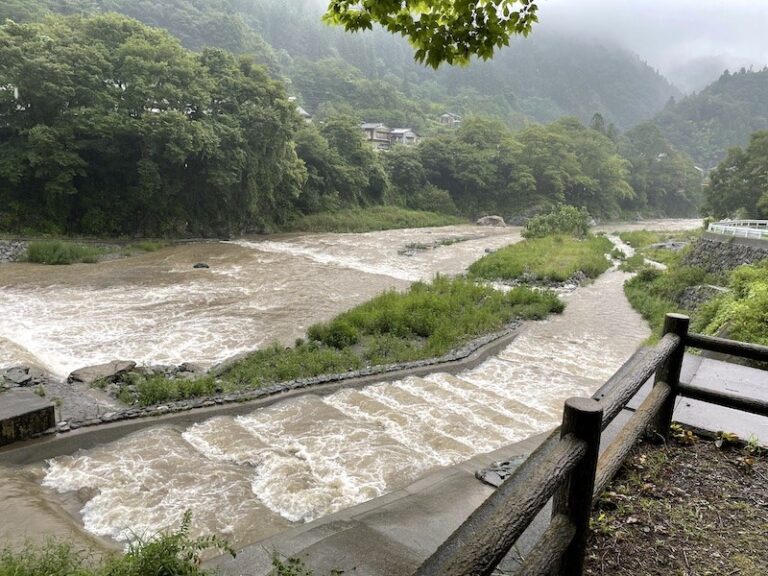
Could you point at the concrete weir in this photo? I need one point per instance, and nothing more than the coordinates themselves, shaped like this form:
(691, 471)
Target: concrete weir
(24, 414)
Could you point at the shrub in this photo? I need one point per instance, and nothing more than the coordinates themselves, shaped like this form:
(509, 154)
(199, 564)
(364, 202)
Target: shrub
(338, 334)
(742, 312)
(566, 220)
(433, 199)
(58, 252)
(158, 389)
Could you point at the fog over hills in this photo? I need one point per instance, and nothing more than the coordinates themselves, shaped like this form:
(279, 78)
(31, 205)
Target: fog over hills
(691, 42)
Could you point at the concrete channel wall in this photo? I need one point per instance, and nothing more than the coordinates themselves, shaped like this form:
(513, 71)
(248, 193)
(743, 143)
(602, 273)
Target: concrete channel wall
(53, 445)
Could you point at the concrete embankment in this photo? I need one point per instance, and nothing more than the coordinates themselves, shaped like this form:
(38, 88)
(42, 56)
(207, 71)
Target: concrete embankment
(392, 535)
(113, 426)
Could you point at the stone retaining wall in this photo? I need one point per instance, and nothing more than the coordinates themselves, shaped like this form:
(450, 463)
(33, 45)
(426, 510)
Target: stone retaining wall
(11, 250)
(718, 253)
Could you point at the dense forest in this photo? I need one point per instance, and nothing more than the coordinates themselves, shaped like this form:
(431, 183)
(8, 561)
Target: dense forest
(110, 126)
(723, 115)
(738, 187)
(541, 78)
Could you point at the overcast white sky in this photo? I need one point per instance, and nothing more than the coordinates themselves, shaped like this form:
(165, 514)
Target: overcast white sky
(672, 35)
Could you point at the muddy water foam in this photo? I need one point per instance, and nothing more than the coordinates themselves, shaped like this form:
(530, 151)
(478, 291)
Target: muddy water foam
(251, 476)
(307, 457)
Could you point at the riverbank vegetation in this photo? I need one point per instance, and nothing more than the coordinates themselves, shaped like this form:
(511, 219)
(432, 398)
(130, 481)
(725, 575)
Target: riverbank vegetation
(665, 247)
(729, 304)
(426, 321)
(549, 259)
(369, 219)
(741, 313)
(59, 252)
(168, 554)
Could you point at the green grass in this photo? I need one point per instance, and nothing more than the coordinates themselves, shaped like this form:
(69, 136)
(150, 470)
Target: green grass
(369, 219)
(279, 364)
(157, 389)
(653, 292)
(641, 240)
(554, 258)
(633, 264)
(168, 554)
(426, 321)
(742, 313)
(147, 246)
(59, 252)
(434, 318)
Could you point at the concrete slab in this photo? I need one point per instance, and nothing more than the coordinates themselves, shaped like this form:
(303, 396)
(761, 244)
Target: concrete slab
(20, 401)
(424, 521)
(718, 375)
(710, 418)
(24, 414)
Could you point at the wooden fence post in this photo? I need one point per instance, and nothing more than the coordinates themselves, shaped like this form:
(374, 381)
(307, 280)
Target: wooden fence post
(669, 371)
(582, 417)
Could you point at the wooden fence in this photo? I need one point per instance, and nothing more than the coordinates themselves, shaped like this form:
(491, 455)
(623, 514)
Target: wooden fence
(566, 467)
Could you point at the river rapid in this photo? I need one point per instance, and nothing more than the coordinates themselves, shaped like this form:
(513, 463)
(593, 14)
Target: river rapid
(251, 476)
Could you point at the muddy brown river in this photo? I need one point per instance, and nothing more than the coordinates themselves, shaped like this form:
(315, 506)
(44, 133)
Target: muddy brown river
(251, 476)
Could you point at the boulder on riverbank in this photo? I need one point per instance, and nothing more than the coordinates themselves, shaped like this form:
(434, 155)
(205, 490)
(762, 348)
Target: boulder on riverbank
(491, 221)
(107, 371)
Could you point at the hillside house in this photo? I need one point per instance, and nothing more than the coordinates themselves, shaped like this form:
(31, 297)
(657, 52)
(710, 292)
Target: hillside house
(450, 120)
(377, 134)
(383, 138)
(306, 116)
(404, 136)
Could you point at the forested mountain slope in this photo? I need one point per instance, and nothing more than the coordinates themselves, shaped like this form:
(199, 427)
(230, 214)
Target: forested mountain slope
(109, 126)
(541, 78)
(723, 115)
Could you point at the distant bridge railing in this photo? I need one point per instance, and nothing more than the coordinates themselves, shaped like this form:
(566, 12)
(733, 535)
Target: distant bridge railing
(566, 467)
(741, 228)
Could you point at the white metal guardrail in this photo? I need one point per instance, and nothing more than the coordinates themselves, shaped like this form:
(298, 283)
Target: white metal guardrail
(741, 228)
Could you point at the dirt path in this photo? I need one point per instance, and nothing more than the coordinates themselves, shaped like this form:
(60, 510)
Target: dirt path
(684, 509)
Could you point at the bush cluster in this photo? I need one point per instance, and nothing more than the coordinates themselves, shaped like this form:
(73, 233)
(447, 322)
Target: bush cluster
(563, 220)
(58, 252)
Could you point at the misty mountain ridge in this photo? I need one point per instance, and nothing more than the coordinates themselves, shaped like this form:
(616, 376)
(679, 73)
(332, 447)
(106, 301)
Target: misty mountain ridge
(541, 78)
(723, 115)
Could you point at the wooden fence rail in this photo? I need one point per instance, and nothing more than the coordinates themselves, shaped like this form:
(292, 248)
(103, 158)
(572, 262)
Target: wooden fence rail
(566, 468)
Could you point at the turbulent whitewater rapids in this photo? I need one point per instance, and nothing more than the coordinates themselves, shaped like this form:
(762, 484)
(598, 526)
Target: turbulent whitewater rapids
(251, 476)
(156, 308)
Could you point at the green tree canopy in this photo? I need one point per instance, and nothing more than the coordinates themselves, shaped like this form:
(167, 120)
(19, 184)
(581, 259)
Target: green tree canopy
(441, 31)
(738, 187)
